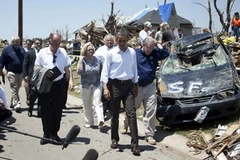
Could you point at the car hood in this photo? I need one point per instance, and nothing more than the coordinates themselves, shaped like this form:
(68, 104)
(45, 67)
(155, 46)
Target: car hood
(192, 39)
(196, 83)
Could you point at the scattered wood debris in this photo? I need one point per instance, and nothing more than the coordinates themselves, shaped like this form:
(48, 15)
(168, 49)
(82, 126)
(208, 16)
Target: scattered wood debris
(234, 48)
(223, 147)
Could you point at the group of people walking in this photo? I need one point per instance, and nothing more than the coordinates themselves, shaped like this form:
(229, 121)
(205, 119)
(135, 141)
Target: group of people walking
(112, 75)
(122, 75)
(44, 71)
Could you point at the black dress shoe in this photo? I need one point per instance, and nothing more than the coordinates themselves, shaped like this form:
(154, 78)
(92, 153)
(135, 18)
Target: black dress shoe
(29, 114)
(135, 151)
(44, 141)
(18, 110)
(56, 140)
(114, 145)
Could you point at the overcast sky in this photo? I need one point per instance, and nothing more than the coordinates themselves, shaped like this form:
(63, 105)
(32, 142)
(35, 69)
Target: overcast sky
(40, 17)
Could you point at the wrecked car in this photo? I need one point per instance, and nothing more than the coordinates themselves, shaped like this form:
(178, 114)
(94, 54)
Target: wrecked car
(198, 74)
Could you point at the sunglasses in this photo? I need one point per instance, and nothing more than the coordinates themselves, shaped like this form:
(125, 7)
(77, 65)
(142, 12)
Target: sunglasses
(54, 59)
(90, 50)
(38, 43)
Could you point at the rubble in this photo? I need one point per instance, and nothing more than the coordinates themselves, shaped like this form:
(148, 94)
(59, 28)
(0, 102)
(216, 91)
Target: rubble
(234, 47)
(3, 43)
(225, 146)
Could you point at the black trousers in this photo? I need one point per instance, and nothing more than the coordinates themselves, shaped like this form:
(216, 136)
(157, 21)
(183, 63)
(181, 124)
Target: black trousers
(32, 98)
(51, 105)
(106, 104)
(4, 114)
(123, 91)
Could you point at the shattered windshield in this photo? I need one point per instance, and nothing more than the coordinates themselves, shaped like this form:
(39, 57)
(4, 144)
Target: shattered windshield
(176, 64)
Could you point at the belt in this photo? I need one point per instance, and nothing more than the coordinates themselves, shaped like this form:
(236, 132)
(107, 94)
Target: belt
(121, 81)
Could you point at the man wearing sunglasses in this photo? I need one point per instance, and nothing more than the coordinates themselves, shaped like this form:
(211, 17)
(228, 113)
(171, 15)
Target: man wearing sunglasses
(28, 65)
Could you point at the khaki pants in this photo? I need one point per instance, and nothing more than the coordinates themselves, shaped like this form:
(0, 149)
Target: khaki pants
(147, 96)
(27, 89)
(15, 81)
(92, 97)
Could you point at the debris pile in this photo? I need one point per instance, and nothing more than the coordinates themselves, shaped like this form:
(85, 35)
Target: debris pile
(3, 43)
(224, 145)
(234, 47)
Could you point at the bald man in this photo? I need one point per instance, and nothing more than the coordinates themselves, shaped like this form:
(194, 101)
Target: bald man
(12, 59)
(51, 103)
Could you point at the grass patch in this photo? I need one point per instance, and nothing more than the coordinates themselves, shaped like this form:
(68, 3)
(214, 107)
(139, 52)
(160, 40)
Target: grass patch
(209, 126)
(76, 79)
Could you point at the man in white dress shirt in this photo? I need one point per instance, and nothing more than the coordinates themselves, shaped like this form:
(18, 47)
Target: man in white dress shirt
(120, 73)
(51, 103)
(101, 53)
(146, 31)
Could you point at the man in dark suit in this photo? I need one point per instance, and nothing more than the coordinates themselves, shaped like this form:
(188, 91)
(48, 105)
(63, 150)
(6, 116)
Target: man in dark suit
(28, 65)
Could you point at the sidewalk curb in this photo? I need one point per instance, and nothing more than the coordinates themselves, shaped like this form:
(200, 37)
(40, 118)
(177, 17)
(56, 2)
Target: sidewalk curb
(168, 139)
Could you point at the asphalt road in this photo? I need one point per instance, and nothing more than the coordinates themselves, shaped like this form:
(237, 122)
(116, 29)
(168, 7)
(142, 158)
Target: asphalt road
(15, 146)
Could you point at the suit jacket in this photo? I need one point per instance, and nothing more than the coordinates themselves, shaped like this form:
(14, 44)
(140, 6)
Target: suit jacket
(28, 63)
(40, 82)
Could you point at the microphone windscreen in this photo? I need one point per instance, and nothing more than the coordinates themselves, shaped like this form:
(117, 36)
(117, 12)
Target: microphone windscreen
(91, 154)
(72, 134)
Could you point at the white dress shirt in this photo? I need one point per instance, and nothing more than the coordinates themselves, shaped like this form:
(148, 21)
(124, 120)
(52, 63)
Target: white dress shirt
(101, 53)
(120, 65)
(143, 34)
(45, 59)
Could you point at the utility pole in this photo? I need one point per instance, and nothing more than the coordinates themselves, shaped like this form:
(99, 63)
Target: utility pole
(165, 1)
(20, 20)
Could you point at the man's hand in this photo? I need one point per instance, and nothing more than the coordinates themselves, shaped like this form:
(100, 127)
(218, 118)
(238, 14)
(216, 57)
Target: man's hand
(2, 105)
(70, 86)
(50, 73)
(26, 79)
(135, 90)
(106, 94)
(159, 46)
(1, 72)
(153, 32)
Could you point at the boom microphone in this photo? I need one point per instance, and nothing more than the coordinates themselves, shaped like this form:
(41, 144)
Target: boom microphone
(91, 154)
(72, 134)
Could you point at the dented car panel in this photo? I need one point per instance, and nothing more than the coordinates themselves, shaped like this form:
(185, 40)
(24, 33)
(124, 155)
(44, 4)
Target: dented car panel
(197, 83)
(199, 73)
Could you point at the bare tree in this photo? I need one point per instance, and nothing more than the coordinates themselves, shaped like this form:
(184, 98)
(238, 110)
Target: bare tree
(111, 23)
(209, 13)
(227, 22)
(64, 32)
